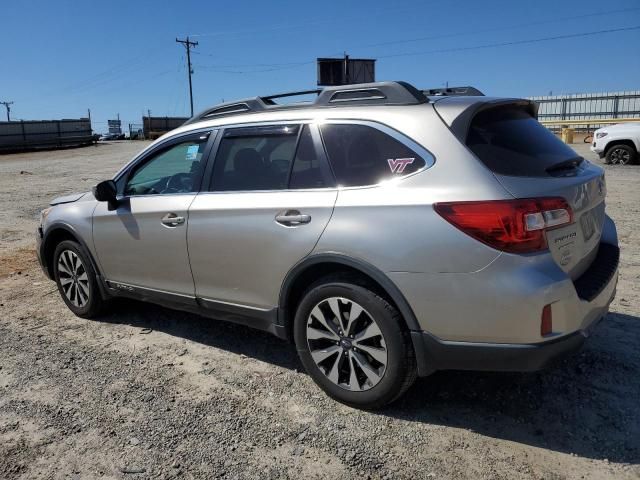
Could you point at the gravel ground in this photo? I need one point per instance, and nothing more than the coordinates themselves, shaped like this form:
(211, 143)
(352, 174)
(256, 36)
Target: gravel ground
(147, 392)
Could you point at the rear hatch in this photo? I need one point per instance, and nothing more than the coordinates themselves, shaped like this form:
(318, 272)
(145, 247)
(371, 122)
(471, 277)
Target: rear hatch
(531, 162)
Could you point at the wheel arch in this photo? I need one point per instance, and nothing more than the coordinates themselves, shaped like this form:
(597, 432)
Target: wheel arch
(613, 143)
(59, 232)
(316, 266)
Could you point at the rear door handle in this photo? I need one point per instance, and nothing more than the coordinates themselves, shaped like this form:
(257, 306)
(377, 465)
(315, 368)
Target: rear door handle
(172, 220)
(291, 218)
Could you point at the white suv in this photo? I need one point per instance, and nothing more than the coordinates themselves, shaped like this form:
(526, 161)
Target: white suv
(619, 144)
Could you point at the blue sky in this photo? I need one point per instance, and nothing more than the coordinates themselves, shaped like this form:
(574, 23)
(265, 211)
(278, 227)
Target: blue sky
(60, 58)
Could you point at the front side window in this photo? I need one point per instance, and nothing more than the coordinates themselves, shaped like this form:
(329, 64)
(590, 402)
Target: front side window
(362, 155)
(176, 169)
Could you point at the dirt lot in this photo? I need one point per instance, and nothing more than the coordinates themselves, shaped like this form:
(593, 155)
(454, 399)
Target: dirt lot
(151, 393)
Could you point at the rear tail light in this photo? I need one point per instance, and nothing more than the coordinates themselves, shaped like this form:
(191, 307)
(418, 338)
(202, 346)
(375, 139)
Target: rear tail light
(514, 226)
(546, 322)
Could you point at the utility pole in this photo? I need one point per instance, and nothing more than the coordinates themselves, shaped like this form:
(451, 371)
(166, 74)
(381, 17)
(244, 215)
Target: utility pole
(188, 44)
(8, 107)
(347, 80)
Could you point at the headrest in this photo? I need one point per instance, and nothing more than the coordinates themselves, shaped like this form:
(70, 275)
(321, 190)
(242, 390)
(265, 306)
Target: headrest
(247, 160)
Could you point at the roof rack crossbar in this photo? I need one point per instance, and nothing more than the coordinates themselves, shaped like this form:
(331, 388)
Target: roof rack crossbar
(292, 94)
(377, 93)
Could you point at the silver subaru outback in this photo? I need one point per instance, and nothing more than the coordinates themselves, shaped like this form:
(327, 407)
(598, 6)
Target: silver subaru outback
(389, 232)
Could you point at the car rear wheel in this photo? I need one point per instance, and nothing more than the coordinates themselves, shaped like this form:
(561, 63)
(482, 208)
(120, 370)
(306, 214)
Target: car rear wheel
(354, 344)
(76, 280)
(621, 155)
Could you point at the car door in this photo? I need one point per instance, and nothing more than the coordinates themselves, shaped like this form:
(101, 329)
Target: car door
(142, 244)
(270, 197)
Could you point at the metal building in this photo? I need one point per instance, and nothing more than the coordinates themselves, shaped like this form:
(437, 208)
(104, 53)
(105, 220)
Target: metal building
(585, 107)
(32, 134)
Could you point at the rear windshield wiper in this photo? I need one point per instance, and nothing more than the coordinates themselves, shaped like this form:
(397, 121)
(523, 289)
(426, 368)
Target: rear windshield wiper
(566, 165)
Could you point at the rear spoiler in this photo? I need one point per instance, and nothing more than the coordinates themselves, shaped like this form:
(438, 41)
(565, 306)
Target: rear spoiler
(457, 113)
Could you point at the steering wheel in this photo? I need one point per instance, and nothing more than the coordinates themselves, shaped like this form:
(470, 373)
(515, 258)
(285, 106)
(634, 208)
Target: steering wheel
(180, 182)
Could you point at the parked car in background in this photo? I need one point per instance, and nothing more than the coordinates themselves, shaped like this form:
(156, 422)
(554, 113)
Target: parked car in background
(618, 144)
(387, 231)
(112, 136)
(108, 136)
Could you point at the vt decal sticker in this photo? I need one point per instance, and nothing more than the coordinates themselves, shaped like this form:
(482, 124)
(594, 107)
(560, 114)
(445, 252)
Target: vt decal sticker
(397, 165)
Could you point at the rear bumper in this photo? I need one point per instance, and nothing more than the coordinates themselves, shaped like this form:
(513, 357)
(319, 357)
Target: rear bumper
(436, 354)
(595, 290)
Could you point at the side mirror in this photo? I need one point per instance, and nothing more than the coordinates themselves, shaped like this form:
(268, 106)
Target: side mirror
(106, 192)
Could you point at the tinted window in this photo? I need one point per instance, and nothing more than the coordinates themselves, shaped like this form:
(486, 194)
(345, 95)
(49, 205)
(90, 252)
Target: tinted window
(509, 141)
(255, 158)
(363, 155)
(309, 171)
(176, 169)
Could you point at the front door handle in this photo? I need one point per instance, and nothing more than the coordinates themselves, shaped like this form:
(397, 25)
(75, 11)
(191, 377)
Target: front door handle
(292, 218)
(172, 220)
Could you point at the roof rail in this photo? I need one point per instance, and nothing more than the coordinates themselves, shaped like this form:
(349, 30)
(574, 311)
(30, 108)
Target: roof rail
(453, 92)
(378, 93)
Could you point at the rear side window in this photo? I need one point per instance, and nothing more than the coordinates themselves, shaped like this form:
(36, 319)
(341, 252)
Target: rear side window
(509, 141)
(362, 155)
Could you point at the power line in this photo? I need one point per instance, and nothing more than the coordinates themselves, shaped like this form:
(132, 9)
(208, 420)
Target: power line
(188, 44)
(304, 25)
(275, 67)
(268, 67)
(221, 69)
(515, 42)
(496, 29)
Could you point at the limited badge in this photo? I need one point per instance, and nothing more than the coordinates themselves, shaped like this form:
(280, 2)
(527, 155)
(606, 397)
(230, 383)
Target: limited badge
(397, 165)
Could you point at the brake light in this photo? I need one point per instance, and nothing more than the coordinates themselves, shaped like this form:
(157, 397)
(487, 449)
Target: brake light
(514, 226)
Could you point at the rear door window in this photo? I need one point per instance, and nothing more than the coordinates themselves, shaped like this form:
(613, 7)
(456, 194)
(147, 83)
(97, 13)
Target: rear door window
(310, 170)
(509, 141)
(362, 155)
(255, 158)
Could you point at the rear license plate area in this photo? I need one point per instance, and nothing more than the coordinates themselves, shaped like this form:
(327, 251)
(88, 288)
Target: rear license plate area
(588, 225)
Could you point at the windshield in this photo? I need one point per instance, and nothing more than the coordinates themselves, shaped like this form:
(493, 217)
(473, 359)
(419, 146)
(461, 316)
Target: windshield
(509, 141)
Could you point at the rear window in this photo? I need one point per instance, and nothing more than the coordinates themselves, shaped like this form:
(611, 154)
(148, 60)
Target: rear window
(509, 141)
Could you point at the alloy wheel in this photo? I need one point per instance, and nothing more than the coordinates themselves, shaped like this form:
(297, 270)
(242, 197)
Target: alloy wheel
(346, 344)
(620, 156)
(73, 278)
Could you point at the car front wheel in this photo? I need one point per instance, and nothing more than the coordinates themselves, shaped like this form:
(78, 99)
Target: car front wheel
(621, 155)
(353, 343)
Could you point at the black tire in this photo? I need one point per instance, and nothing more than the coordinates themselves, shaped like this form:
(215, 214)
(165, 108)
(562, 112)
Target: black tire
(400, 371)
(621, 155)
(92, 303)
